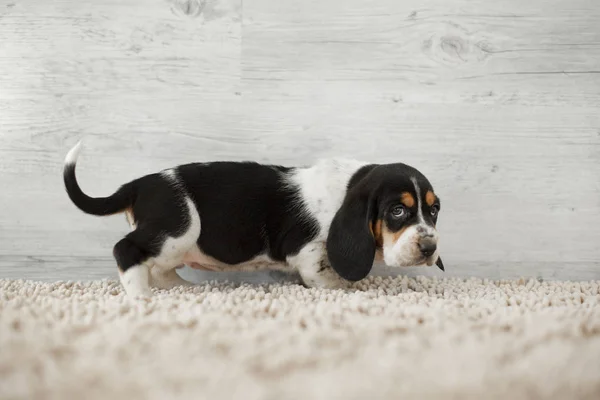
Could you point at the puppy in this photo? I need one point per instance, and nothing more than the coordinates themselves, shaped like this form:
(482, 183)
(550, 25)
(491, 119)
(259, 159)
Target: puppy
(329, 221)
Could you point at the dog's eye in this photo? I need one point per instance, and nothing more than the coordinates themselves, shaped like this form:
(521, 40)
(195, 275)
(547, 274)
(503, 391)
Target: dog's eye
(398, 212)
(434, 211)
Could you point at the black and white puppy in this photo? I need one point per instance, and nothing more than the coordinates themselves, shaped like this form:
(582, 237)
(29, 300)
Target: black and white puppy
(329, 221)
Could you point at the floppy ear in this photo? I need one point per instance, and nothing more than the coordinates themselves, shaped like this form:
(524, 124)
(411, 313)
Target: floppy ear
(350, 242)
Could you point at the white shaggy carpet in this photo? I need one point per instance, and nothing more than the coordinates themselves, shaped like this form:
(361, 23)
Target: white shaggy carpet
(399, 338)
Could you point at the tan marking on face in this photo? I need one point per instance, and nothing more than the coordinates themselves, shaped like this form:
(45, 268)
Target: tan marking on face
(376, 231)
(397, 235)
(407, 199)
(389, 236)
(430, 198)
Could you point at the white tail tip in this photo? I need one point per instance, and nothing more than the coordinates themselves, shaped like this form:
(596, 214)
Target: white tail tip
(73, 154)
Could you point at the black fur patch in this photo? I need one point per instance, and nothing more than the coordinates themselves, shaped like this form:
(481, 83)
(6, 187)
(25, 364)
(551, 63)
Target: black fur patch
(247, 209)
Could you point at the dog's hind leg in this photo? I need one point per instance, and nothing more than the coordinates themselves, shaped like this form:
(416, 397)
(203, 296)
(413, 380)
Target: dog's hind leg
(133, 255)
(173, 251)
(166, 226)
(147, 258)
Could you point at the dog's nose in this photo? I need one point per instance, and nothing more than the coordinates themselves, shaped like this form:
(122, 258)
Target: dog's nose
(427, 248)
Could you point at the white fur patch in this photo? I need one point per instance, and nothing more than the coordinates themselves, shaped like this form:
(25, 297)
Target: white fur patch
(73, 154)
(419, 202)
(174, 249)
(170, 174)
(136, 281)
(323, 188)
(405, 251)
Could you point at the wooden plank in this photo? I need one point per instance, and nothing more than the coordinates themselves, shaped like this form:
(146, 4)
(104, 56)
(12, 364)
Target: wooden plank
(116, 68)
(546, 53)
(438, 40)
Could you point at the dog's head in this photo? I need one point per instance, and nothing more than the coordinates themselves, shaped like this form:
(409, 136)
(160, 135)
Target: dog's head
(390, 210)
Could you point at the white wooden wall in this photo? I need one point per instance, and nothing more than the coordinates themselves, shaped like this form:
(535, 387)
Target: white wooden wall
(498, 102)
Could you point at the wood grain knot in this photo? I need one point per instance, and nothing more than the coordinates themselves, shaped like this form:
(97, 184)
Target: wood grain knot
(188, 8)
(455, 47)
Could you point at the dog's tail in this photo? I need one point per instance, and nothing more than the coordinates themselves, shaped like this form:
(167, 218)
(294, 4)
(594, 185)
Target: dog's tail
(118, 202)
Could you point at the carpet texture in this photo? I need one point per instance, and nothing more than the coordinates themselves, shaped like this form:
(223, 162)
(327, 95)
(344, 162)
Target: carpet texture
(390, 338)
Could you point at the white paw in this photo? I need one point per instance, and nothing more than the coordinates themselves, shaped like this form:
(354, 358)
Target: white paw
(313, 266)
(135, 281)
(326, 278)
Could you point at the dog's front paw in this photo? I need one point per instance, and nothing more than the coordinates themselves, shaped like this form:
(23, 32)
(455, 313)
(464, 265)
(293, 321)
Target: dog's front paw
(325, 278)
